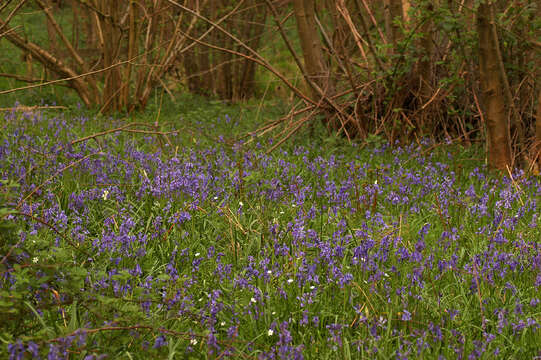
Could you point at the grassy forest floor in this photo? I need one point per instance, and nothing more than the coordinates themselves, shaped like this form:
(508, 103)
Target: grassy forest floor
(189, 244)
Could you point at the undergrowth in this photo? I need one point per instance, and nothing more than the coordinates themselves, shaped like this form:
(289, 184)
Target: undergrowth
(183, 242)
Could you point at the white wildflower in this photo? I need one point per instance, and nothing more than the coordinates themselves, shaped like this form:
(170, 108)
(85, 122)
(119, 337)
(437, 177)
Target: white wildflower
(270, 332)
(289, 281)
(193, 341)
(105, 194)
(35, 260)
(253, 300)
(241, 203)
(197, 254)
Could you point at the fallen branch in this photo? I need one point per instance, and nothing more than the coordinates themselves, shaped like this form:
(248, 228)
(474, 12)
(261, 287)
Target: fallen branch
(32, 108)
(19, 204)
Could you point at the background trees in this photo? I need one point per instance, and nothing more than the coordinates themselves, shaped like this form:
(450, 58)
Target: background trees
(400, 69)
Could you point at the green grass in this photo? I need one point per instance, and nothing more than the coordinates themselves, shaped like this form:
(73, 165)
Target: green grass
(307, 213)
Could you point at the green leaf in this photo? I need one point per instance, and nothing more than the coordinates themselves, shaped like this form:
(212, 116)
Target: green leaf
(48, 329)
(74, 323)
(163, 277)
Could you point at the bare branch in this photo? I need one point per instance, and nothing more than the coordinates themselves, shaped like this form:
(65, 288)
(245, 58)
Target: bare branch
(51, 61)
(12, 14)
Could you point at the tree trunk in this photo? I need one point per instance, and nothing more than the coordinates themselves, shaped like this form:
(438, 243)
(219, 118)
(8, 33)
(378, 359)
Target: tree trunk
(131, 52)
(53, 44)
(424, 65)
(427, 46)
(222, 74)
(111, 90)
(252, 30)
(387, 19)
(537, 148)
(396, 13)
(317, 70)
(538, 133)
(406, 5)
(499, 145)
(75, 24)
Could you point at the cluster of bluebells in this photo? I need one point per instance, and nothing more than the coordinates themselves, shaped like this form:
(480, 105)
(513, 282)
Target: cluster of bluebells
(389, 251)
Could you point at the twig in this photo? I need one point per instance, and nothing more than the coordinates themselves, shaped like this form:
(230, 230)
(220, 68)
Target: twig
(20, 78)
(43, 222)
(124, 129)
(70, 78)
(32, 108)
(19, 204)
(11, 15)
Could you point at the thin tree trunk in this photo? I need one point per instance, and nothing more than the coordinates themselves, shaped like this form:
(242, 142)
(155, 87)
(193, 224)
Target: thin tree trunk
(90, 26)
(314, 61)
(425, 65)
(425, 62)
(396, 13)
(499, 145)
(253, 26)
(131, 52)
(515, 125)
(206, 79)
(406, 5)
(538, 133)
(537, 148)
(111, 92)
(75, 25)
(53, 44)
(388, 21)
